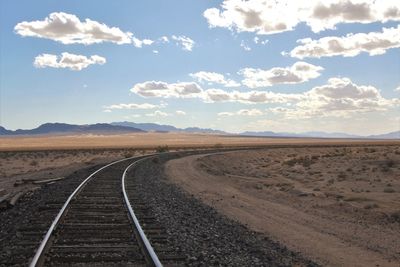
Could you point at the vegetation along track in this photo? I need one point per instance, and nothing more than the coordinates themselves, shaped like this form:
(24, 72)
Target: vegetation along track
(97, 226)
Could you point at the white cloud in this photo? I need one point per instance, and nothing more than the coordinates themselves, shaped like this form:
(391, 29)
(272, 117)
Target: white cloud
(373, 43)
(257, 40)
(397, 89)
(155, 51)
(226, 114)
(162, 89)
(68, 29)
(132, 106)
(268, 17)
(245, 46)
(180, 112)
(139, 43)
(157, 113)
(250, 112)
(164, 39)
(340, 97)
(242, 112)
(67, 60)
(299, 72)
(185, 42)
(213, 77)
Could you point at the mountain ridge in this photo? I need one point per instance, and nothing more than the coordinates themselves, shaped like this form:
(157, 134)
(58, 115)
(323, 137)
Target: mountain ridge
(59, 128)
(127, 127)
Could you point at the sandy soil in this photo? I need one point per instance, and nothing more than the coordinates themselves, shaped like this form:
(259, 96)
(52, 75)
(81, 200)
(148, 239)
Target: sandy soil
(337, 206)
(147, 140)
(19, 169)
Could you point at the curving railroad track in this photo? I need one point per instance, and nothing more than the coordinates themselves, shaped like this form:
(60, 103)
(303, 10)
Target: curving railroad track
(97, 226)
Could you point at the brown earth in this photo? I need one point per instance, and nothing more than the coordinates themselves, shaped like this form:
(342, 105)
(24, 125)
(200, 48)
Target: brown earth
(20, 170)
(150, 140)
(339, 206)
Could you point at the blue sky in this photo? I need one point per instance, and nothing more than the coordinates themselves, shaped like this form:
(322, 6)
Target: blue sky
(238, 71)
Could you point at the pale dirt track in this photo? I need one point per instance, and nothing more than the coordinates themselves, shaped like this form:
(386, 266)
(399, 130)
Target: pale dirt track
(330, 232)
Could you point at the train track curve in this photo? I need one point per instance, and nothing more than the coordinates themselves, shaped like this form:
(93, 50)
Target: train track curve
(97, 226)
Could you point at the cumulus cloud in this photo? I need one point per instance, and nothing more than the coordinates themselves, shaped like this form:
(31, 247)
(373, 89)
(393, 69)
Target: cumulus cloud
(131, 106)
(242, 112)
(67, 60)
(373, 43)
(164, 39)
(157, 113)
(339, 97)
(68, 29)
(166, 90)
(180, 112)
(185, 42)
(269, 17)
(250, 112)
(213, 77)
(299, 72)
(226, 114)
(245, 46)
(257, 40)
(397, 89)
(139, 43)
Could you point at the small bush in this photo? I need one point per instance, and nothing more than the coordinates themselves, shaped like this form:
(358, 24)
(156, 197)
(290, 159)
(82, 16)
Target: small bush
(34, 163)
(395, 216)
(162, 149)
(388, 190)
(390, 163)
(218, 146)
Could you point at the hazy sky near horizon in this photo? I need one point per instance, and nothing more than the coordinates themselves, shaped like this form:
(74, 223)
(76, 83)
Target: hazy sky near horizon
(233, 65)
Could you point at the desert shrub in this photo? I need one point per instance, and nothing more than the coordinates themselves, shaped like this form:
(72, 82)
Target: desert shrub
(371, 206)
(128, 154)
(388, 190)
(34, 163)
(395, 216)
(341, 177)
(390, 163)
(162, 149)
(218, 146)
(291, 162)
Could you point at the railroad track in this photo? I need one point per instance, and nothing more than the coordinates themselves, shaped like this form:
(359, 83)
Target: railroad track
(97, 226)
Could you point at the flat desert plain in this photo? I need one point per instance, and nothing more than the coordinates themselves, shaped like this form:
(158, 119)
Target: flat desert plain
(148, 141)
(339, 206)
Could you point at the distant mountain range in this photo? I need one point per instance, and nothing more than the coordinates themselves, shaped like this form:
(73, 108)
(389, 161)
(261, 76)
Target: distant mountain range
(154, 127)
(63, 128)
(131, 127)
(392, 135)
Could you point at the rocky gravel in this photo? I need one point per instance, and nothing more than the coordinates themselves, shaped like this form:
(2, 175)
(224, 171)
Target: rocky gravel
(22, 227)
(204, 236)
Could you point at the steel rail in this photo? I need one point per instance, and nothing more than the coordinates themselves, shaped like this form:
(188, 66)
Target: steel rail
(149, 249)
(44, 243)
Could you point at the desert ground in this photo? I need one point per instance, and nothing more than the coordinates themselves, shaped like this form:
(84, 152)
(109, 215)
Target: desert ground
(335, 201)
(148, 141)
(338, 206)
(27, 160)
